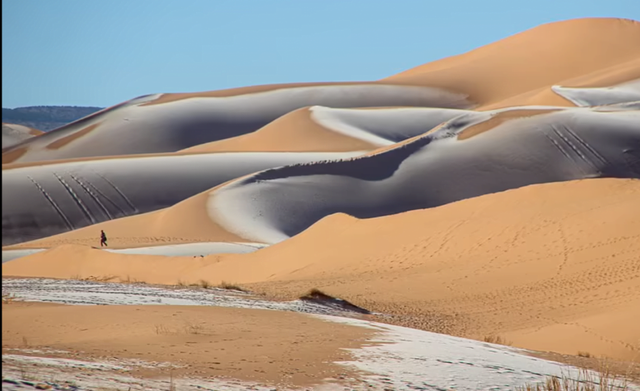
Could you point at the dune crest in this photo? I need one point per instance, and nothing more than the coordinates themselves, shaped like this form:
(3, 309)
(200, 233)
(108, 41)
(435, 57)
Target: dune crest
(547, 55)
(13, 134)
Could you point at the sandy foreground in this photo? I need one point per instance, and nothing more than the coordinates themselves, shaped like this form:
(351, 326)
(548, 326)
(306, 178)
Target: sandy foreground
(537, 265)
(255, 345)
(151, 347)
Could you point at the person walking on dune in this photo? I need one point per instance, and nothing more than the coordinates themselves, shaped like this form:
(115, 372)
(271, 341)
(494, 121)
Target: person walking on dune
(103, 239)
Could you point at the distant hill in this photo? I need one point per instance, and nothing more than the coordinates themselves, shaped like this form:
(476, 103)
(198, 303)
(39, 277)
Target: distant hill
(46, 118)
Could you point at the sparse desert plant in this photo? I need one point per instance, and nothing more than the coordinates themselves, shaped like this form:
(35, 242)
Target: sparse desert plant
(129, 280)
(584, 354)
(585, 381)
(497, 339)
(204, 284)
(230, 286)
(182, 284)
(99, 278)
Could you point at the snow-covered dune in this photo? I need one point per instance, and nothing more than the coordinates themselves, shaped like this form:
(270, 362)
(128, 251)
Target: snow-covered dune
(622, 93)
(150, 124)
(13, 134)
(471, 155)
(320, 128)
(40, 201)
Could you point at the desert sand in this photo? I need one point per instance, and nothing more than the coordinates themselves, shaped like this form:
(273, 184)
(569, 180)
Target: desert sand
(468, 268)
(255, 345)
(495, 193)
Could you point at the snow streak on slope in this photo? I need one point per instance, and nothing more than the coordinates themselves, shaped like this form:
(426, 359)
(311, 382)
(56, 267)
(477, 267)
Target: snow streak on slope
(622, 93)
(471, 155)
(171, 250)
(382, 127)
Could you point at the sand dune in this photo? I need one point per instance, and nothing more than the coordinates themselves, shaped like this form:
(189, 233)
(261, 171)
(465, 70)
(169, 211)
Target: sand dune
(136, 126)
(13, 134)
(625, 92)
(548, 55)
(489, 76)
(553, 258)
(471, 155)
(327, 129)
(493, 192)
(44, 200)
(567, 252)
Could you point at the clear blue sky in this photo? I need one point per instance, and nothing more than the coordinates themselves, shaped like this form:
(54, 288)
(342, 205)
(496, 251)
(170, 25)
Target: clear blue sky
(102, 52)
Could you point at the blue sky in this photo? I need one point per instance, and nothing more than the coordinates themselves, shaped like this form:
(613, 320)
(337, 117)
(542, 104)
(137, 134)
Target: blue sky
(102, 52)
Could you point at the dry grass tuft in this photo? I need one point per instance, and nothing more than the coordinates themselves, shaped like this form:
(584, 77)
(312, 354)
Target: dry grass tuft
(496, 339)
(585, 381)
(584, 354)
(97, 278)
(230, 286)
(129, 280)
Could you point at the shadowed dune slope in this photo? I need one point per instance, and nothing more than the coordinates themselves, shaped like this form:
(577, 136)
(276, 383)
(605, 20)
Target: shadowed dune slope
(40, 201)
(136, 127)
(13, 134)
(566, 252)
(532, 61)
(471, 155)
(468, 156)
(327, 129)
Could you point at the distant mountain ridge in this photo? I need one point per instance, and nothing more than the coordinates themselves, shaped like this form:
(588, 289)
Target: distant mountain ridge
(46, 118)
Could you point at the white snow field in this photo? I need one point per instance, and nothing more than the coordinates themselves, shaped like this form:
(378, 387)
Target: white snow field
(170, 250)
(112, 293)
(398, 358)
(468, 156)
(140, 126)
(48, 199)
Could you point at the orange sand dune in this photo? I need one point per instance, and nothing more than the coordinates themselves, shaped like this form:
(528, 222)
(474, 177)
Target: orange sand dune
(295, 131)
(533, 61)
(526, 263)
